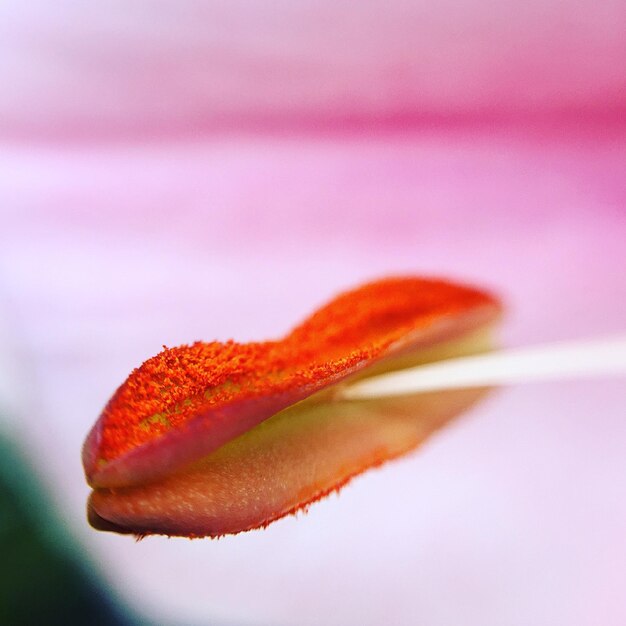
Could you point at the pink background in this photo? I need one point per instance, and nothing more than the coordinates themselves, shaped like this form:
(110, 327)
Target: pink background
(180, 171)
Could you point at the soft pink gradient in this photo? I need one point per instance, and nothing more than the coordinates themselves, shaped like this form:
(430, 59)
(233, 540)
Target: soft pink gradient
(108, 249)
(139, 67)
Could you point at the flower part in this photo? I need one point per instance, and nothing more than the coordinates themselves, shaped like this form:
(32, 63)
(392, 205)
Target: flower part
(216, 438)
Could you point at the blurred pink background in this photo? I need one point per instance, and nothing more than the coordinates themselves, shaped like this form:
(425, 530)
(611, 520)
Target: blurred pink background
(180, 171)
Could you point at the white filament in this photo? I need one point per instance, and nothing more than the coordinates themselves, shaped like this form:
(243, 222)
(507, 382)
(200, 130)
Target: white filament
(559, 361)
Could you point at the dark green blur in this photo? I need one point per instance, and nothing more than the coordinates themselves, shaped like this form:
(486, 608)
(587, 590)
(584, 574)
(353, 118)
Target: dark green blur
(43, 577)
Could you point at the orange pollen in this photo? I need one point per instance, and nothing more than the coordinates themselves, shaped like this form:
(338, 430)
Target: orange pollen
(181, 383)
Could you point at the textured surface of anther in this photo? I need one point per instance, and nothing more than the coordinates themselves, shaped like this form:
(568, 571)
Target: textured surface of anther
(179, 385)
